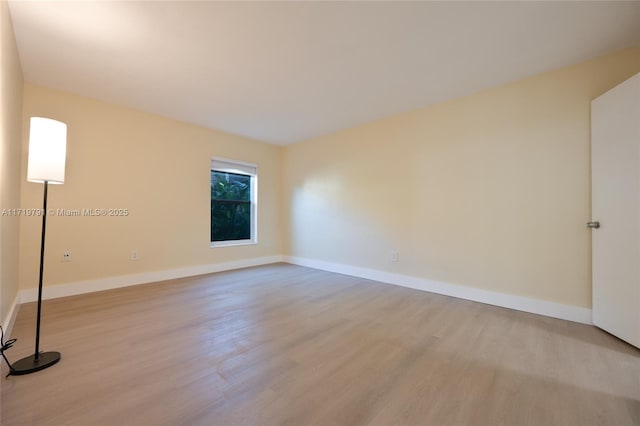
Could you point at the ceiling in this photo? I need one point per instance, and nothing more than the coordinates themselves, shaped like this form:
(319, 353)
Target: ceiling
(283, 72)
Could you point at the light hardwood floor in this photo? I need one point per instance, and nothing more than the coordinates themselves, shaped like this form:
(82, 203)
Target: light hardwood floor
(287, 345)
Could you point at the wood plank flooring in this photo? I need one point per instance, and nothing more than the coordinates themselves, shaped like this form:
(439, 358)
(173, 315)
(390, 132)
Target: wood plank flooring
(287, 345)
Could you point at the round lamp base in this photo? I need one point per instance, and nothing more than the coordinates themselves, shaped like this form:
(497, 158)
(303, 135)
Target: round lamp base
(29, 364)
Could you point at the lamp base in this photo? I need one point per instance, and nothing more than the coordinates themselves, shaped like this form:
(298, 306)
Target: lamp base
(28, 365)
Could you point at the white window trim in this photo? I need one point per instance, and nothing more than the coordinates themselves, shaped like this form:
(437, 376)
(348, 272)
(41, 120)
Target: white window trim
(249, 169)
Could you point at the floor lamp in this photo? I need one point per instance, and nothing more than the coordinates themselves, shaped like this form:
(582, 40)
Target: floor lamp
(47, 155)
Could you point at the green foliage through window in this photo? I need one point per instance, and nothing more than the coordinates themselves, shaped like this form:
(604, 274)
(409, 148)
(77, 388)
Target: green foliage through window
(230, 206)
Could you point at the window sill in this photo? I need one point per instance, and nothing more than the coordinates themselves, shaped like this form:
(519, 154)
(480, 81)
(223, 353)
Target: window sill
(215, 244)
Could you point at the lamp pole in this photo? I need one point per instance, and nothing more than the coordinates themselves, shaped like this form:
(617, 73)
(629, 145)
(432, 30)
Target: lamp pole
(39, 360)
(36, 356)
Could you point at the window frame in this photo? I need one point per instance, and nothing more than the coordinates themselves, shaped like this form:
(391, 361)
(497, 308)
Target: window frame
(227, 165)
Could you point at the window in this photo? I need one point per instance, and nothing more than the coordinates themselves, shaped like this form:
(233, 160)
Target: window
(233, 202)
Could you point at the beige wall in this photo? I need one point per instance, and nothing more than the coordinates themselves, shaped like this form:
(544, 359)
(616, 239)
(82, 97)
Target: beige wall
(490, 191)
(156, 168)
(10, 137)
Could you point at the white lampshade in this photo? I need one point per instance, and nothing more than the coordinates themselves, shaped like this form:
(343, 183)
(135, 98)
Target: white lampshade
(47, 150)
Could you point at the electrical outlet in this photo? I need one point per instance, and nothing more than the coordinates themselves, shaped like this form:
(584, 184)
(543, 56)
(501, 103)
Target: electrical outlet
(135, 255)
(66, 256)
(394, 256)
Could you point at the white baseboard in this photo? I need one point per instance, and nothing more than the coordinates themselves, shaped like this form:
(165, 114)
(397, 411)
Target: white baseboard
(535, 306)
(10, 318)
(90, 286)
(525, 304)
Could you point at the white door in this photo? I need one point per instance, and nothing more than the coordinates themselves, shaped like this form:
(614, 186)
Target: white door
(615, 181)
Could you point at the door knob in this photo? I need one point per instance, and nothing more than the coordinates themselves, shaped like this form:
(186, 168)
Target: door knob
(595, 224)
